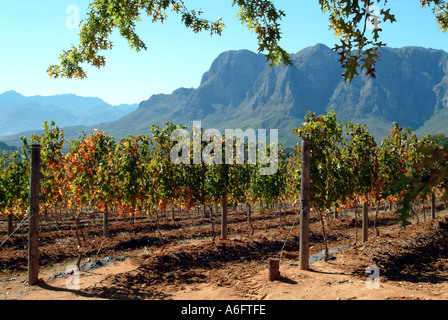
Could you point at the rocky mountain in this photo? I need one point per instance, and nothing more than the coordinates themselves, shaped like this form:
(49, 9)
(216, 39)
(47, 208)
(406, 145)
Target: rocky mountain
(19, 113)
(240, 91)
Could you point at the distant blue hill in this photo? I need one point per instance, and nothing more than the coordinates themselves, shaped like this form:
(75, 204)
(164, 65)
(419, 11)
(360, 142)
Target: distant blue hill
(19, 113)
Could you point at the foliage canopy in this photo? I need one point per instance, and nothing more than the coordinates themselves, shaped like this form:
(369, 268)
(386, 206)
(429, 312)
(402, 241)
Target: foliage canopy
(351, 21)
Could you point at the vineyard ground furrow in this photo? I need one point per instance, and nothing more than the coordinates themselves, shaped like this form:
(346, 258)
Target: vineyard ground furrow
(187, 259)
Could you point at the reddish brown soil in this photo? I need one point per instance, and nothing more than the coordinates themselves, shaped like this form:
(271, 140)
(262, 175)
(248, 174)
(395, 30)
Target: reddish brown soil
(179, 260)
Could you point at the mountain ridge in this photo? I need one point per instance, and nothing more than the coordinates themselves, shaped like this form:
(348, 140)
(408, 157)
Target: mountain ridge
(240, 90)
(19, 113)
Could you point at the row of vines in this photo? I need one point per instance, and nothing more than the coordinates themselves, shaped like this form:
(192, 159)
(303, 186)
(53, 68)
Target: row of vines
(135, 175)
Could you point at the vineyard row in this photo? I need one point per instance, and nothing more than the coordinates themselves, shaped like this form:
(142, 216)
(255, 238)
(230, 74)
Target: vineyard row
(136, 174)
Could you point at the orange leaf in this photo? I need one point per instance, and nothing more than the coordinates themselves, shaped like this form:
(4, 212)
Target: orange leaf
(86, 156)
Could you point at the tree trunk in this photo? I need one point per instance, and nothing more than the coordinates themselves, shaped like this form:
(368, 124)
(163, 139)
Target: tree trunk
(433, 206)
(172, 214)
(356, 225)
(365, 222)
(224, 204)
(324, 234)
(376, 218)
(78, 239)
(10, 224)
(106, 232)
(224, 218)
(249, 212)
(133, 223)
(204, 211)
(212, 222)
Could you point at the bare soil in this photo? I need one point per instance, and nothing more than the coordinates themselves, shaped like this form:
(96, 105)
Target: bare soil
(181, 259)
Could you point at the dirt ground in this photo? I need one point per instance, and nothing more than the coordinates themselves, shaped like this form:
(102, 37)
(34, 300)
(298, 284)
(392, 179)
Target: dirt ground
(178, 260)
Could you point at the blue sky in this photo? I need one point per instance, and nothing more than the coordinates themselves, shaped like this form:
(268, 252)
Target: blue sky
(34, 33)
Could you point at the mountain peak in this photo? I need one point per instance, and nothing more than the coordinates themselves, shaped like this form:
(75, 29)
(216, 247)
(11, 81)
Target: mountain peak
(233, 61)
(11, 93)
(321, 46)
(240, 88)
(230, 77)
(11, 98)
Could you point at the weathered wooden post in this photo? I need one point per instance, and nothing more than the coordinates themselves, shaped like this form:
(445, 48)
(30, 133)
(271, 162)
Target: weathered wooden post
(106, 232)
(365, 222)
(224, 204)
(274, 268)
(433, 205)
(249, 219)
(304, 243)
(204, 211)
(10, 224)
(224, 217)
(33, 232)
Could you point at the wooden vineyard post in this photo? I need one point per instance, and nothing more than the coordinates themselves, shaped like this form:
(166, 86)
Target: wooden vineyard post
(365, 222)
(304, 242)
(224, 217)
(33, 232)
(106, 232)
(224, 205)
(204, 211)
(433, 206)
(10, 226)
(249, 213)
(274, 268)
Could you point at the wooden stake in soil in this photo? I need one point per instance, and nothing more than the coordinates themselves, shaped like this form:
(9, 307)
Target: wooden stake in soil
(33, 233)
(224, 205)
(433, 206)
(274, 268)
(204, 211)
(106, 223)
(249, 213)
(10, 224)
(365, 222)
(304, 242)
(224, 217)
